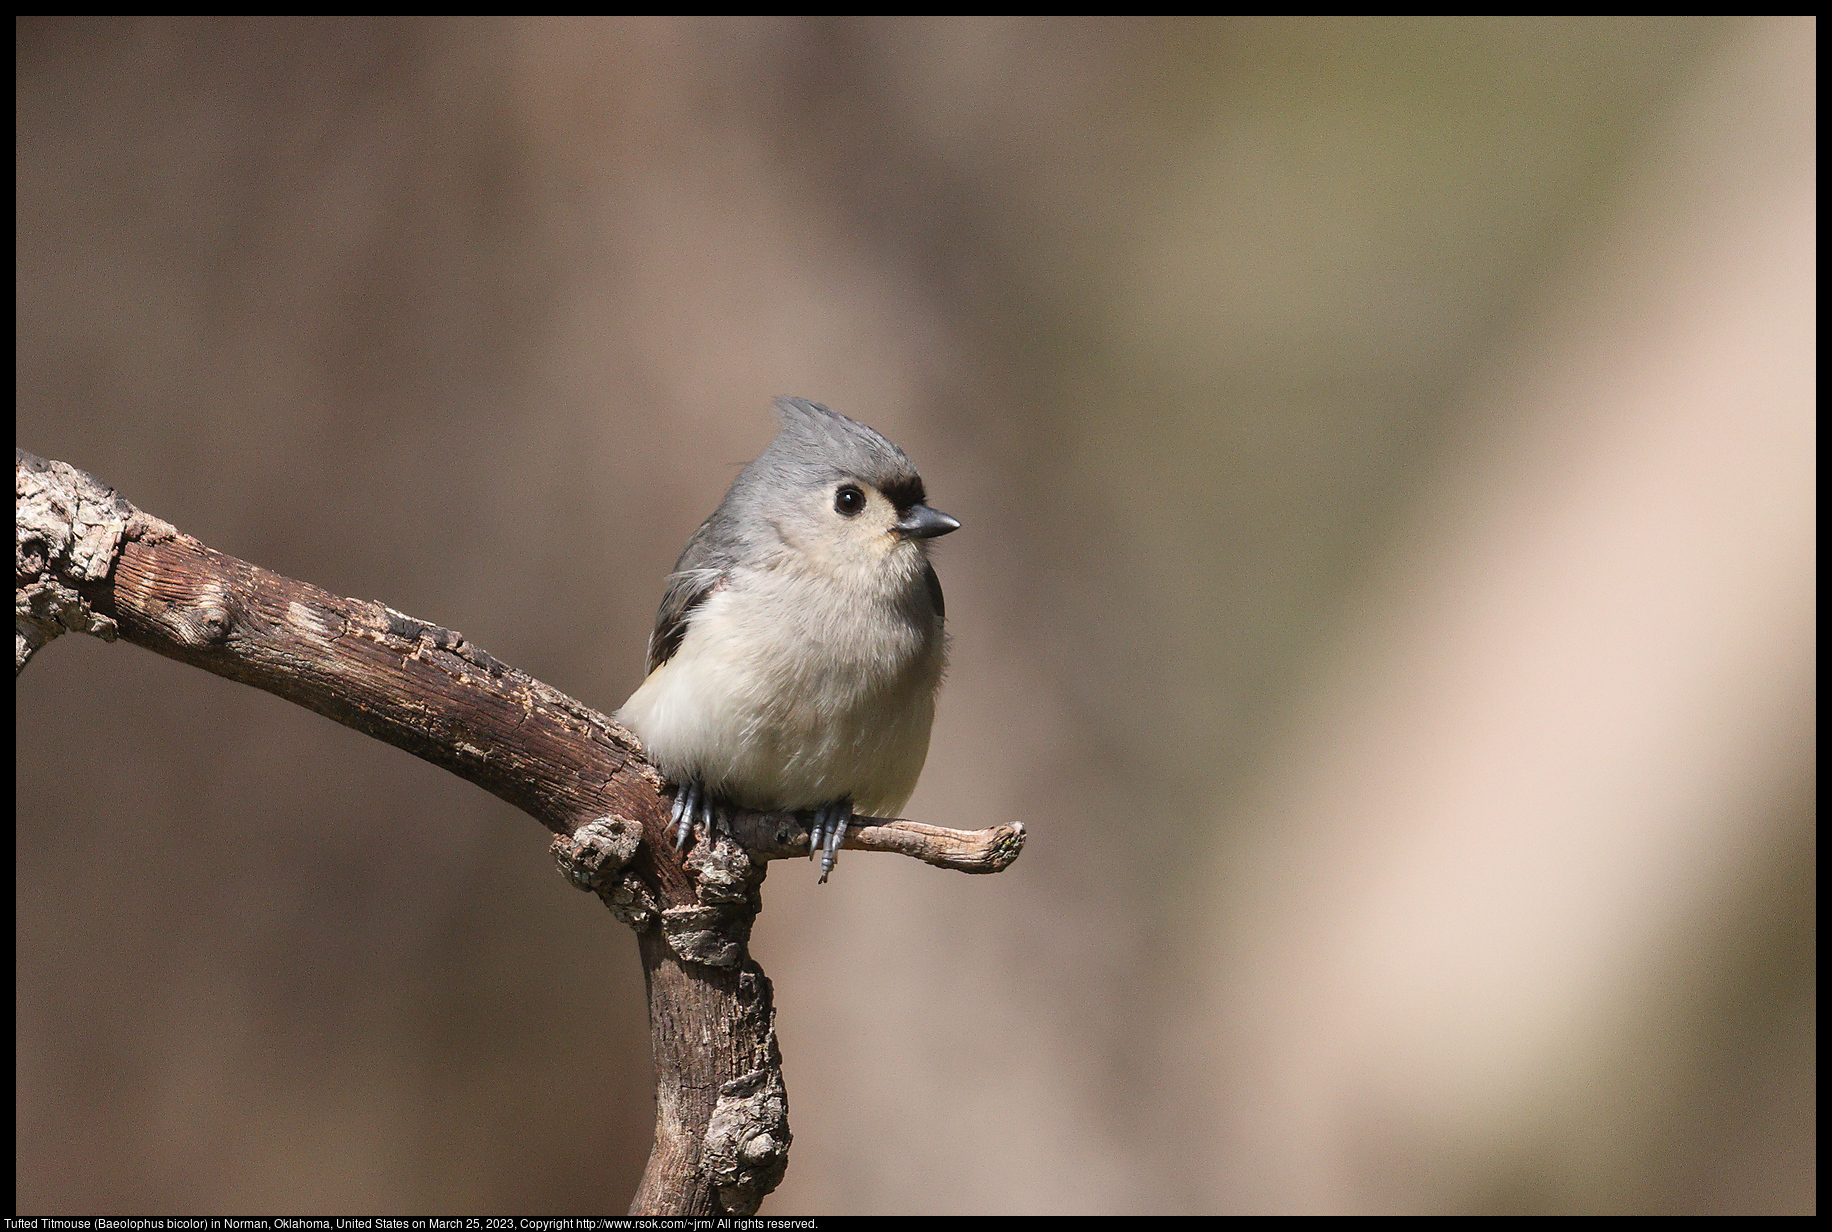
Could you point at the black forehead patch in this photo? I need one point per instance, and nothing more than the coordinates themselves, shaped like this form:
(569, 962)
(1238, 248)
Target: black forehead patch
(903, 491)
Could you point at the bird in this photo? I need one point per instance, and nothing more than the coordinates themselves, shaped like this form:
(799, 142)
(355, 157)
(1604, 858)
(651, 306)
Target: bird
(801, 638)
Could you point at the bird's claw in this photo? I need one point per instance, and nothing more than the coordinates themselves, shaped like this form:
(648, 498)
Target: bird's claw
(828, 832)
(693, 805)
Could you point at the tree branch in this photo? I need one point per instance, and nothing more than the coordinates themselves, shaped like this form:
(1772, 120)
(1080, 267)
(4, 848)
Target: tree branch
(88, 561)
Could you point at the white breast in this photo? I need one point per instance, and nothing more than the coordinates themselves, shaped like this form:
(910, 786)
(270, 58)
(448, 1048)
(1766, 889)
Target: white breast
(772, 707)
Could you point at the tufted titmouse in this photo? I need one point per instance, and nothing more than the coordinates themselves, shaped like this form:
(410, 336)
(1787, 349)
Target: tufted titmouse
(799, 645)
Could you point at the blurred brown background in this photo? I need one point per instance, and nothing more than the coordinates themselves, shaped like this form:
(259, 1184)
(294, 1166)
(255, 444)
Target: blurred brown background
(1386, 593)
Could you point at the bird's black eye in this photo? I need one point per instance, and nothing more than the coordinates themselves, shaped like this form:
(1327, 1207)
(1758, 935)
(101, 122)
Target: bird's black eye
(848, 500)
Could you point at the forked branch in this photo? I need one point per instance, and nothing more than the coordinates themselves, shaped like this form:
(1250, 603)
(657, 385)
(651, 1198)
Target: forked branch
(88, 561)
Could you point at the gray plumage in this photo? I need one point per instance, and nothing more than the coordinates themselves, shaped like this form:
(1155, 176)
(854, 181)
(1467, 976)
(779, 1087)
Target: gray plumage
(800, 641)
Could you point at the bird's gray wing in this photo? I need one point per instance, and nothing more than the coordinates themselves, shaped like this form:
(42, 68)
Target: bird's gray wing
(928, 575)
(696, 575)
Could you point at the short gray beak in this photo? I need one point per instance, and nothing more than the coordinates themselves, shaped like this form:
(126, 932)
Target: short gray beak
(922, 522)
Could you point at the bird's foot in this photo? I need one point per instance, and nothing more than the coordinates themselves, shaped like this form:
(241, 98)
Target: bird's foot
(828, 832)
(694, 806)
